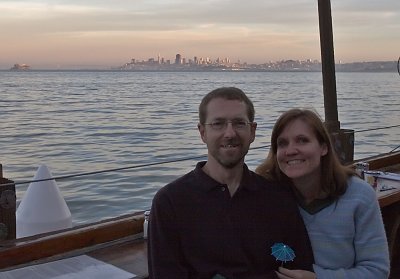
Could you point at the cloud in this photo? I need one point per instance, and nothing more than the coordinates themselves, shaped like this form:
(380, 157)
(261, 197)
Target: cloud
(148, 15)
(239, 28)
(88, 16)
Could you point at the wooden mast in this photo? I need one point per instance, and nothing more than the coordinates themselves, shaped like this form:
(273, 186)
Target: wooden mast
(328, 66)
(343, 140)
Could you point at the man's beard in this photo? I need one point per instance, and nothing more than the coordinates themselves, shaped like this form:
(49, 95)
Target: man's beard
(230, 164)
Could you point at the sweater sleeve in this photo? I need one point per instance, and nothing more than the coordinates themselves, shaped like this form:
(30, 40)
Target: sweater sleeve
(370, 243)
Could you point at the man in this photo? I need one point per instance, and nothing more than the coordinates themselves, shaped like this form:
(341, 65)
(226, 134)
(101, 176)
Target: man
(221, 220)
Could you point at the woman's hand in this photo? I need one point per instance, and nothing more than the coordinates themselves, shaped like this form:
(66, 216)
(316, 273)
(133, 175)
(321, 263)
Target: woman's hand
(285, 273)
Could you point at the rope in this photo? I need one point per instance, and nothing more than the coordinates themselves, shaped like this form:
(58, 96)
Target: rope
(373, 129)
(62, 177)
(391, 151)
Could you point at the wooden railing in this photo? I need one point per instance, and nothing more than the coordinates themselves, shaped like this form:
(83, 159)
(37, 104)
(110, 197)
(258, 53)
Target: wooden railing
(28, 249)
(389, 202)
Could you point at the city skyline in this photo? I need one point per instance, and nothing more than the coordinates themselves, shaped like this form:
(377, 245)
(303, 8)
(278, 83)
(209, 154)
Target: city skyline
(103, 34)
(196, 63)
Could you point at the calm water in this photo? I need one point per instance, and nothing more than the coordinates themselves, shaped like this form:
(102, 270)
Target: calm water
(77, 122)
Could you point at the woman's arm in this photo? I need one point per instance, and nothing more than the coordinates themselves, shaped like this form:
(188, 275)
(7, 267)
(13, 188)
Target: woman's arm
(370, 244)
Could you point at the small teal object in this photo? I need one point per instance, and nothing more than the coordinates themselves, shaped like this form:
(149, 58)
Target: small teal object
(218, 276)
(282, 252)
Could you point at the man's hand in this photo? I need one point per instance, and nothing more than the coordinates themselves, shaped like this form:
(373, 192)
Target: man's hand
(285, 273)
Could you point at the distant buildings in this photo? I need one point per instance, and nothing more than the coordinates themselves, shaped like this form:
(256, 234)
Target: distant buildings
(225, 64)
(178, 59)
(181, 63)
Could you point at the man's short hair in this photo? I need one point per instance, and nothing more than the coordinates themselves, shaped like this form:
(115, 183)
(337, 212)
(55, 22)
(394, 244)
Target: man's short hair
(227, 93)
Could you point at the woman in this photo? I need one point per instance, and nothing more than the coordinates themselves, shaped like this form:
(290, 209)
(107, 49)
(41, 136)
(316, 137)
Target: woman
(340, 211)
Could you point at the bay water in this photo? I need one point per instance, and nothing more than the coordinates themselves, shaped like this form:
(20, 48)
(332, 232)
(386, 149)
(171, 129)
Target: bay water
(80, 122)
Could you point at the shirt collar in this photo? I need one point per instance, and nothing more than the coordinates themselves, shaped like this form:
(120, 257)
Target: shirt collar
(207, 183)
(315, 206)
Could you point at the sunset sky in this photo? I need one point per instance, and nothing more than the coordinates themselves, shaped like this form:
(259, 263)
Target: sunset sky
(102, 34)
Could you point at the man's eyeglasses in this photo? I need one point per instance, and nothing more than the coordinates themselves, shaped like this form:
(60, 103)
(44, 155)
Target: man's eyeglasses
(219, 125)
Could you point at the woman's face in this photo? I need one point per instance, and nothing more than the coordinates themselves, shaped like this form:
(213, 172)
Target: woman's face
(299, 152)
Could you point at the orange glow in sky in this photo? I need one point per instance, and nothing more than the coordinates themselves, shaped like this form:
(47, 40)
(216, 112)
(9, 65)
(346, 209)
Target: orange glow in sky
(103, 34)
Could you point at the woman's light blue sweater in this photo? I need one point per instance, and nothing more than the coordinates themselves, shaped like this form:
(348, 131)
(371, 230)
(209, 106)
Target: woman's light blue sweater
(348, 237)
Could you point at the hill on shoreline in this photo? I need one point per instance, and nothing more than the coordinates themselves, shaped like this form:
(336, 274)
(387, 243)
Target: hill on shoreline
(280, 66)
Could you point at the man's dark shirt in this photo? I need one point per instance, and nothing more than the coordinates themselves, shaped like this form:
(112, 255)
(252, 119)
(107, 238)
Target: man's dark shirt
(197, 230)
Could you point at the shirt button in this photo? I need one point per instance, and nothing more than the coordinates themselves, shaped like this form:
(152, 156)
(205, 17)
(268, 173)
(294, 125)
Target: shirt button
(222, 189)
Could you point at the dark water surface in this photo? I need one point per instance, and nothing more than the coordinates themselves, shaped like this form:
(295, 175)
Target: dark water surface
(77, 122)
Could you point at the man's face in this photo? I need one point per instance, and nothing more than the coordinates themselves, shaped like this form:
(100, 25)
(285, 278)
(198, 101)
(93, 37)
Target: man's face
(227, 142)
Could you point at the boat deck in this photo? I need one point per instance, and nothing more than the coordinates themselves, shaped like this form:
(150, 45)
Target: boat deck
(130, 256)
(119, 242)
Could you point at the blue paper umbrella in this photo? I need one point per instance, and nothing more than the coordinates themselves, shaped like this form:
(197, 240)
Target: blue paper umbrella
(282, 252)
